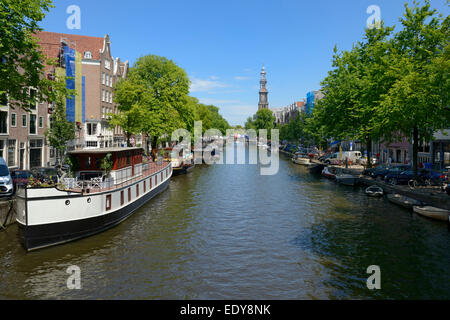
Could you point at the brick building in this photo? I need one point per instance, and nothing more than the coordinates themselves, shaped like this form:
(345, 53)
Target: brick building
(101, 71)
(94, 70)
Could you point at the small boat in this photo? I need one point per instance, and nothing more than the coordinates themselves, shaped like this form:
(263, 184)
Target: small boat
(404, 201)
(329, 173)
(184, 169)
(347, 179)
(301, 159)
(374, 191)
(433, 213)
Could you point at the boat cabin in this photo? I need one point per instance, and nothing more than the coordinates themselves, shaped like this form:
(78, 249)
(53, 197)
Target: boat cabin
(126, 163)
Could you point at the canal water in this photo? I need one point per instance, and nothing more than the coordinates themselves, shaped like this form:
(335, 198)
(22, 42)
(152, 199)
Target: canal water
(227, 232)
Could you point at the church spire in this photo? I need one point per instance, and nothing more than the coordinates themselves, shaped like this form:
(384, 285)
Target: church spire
(263, 93)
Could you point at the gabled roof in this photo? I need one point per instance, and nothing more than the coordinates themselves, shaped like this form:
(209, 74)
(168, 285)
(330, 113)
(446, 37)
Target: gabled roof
(50, 43)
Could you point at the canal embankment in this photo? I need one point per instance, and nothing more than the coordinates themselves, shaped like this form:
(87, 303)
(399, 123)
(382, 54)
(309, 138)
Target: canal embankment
(7, 212)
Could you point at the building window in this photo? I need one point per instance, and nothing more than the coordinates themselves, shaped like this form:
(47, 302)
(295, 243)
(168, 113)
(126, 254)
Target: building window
(3, 122)
(33, 94)
(91, 129)
(11, 153)
(111, 81)
(129, 194)
(108, 202)
(103, 94)
(107, 80)
(108, 64)
(32, 124)
(2, 146)
(36, 153)
(13, 120)
(88, 55)
(24, 120)
(122, 198)
(103, 78)
(41, 122)
(91, 144)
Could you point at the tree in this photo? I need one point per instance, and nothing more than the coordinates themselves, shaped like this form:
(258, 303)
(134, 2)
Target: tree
(22, 64)
(129, 96)
(61, 131)
(165, 100)
(417, 104)
(263, 119)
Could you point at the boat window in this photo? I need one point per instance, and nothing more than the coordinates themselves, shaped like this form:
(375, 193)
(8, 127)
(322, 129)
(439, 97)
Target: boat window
(145, 186)
(88, 162)
(150, 182)
(129, 194)
(122, 197)
(137, 190)
(156, 180)
(108, 202)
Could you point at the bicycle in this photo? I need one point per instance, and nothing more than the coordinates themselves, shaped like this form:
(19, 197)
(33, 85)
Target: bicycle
(419, 182)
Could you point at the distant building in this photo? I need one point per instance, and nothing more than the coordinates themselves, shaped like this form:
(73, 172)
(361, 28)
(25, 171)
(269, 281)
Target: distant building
(287, 114)
(311, 99)
(263, 93)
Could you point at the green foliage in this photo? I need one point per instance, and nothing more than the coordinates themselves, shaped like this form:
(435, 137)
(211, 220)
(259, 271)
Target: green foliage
(263, 119)
(21, 61)
(107, 163)
(390, 85)
(73, 163)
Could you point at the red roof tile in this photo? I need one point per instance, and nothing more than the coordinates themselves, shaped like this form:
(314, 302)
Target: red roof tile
(50, 43)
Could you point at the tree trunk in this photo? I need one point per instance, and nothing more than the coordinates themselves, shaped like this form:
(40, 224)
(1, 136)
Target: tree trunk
(415, 149)
(128, 139)
(369, 152)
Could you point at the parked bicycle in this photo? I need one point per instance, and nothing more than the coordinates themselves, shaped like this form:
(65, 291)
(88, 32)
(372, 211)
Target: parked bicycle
(419, 181)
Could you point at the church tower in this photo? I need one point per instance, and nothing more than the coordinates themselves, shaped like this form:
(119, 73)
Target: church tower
(263, 93)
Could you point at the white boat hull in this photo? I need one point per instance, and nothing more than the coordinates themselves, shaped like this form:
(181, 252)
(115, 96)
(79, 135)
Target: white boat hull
(433, 213)
(48, 217)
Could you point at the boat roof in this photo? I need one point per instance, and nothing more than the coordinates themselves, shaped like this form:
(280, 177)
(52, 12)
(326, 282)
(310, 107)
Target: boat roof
(104, 150)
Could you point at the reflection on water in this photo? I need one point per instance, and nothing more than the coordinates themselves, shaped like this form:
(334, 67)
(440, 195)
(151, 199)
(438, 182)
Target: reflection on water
(226, 232)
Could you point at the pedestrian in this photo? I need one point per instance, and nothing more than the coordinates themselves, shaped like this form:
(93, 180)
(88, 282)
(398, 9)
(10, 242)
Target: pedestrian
(390, 161)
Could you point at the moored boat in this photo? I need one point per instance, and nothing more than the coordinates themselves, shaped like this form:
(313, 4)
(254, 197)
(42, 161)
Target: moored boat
(329, 173)
(92, 202)
(374, 191)
(347, 179)
(404, 201)
(301, 159)
(432, 212)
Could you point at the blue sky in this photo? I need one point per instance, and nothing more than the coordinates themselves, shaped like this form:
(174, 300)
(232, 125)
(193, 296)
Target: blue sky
(223, 44)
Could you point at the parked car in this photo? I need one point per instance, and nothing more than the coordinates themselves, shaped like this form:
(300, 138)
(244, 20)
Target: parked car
(399, 177)
(6, 182)
(333, 159)
(20, 177)
(380, 173)
(45, 173)
(402, 177)
(370, 171)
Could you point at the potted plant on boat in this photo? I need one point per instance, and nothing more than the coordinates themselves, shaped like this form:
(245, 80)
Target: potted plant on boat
(106, 166)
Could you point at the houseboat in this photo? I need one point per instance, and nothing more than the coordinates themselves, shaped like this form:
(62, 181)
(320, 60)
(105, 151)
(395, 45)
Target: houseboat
(92, 202)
